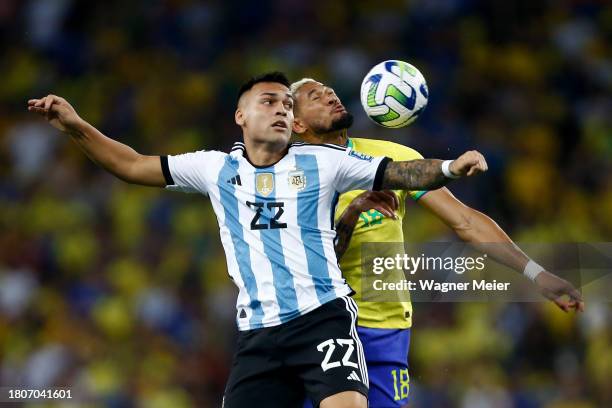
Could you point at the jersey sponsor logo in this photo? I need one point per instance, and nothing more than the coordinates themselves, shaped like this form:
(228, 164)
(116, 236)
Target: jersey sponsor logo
(264, 183)
(361, 156)
(297, 180)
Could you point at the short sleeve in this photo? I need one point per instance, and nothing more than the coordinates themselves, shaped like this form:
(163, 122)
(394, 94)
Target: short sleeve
(358, 171)
(187, 172)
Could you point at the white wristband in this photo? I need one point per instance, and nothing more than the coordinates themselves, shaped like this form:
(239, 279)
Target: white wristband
(446, 170)
(532, 270)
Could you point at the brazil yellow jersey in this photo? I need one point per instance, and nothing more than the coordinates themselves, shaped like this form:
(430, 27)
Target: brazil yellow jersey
(374, 227)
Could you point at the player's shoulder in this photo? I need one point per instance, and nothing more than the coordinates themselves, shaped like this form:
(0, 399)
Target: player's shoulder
(201, 154)
(202, 159)
(303, 147)
(376, 147)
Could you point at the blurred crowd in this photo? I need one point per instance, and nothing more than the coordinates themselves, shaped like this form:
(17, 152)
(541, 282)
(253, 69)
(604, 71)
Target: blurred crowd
(121, 292)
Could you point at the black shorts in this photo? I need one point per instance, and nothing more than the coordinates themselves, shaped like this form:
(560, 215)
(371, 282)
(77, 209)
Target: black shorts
(313, 356)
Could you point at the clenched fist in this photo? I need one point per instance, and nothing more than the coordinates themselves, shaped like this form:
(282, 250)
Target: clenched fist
(469, 163)
(58, 112)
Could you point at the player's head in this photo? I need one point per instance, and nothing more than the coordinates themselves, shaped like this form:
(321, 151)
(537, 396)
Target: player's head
(265, 108)
(318, 109)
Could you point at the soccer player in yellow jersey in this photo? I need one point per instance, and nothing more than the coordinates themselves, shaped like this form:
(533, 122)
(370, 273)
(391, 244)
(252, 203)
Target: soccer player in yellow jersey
(384, 328)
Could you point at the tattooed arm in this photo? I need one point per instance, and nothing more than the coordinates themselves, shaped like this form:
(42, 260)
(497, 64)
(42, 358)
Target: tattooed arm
(426, 174)
(403, 175)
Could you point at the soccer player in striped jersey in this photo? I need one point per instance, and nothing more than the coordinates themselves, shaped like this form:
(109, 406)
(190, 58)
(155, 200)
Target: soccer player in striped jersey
(274, 203)
(384, 328)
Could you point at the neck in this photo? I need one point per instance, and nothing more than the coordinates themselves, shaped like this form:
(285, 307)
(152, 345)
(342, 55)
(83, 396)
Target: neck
(264, 153)
(339, 137)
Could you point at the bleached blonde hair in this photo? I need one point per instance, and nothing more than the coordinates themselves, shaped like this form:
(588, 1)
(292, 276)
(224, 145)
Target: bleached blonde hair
(298, 84)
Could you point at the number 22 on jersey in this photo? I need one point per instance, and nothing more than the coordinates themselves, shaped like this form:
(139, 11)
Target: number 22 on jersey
(276, 210)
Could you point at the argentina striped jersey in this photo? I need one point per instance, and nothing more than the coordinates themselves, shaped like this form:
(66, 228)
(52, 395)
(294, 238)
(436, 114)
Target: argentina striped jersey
(276, 222)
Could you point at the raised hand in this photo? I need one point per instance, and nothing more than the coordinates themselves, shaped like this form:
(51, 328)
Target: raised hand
(58, 112)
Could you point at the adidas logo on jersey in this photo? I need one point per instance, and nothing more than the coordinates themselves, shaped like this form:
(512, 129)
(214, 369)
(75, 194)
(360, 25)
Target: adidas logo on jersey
(235, 180)
(353, 376)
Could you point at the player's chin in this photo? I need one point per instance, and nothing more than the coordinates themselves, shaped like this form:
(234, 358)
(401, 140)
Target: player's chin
(339, 115)
(278, 134)
(341, 120)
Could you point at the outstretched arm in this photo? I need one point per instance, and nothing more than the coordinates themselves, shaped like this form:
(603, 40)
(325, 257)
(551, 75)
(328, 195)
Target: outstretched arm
(475, 227)
(115, 157)
(428, 174)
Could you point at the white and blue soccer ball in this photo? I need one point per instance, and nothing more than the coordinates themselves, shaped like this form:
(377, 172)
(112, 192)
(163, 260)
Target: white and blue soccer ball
(394, 93)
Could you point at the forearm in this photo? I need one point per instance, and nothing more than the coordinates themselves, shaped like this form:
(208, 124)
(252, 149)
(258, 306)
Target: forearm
(344, 230)
(113, 156)
(422, 174)
(117, 158)
(488, 237)
(484, 233)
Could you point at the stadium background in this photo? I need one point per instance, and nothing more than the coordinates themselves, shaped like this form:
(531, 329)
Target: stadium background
(121, 292)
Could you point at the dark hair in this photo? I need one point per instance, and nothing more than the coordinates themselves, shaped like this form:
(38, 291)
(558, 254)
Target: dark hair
(275, 76)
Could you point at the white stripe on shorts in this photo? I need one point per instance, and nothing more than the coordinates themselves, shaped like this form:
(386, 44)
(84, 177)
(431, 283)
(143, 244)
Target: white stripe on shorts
(351, 306)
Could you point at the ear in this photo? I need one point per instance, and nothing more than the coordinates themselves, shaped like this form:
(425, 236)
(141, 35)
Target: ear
(239, 117)
(298, 126)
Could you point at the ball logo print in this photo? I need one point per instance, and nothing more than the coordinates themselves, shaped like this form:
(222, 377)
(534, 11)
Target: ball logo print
(394, 93)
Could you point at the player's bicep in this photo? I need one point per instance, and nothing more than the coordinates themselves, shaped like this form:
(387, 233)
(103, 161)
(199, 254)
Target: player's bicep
(147, 171)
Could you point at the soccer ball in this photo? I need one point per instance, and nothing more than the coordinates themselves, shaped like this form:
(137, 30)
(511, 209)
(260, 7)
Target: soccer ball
(394, 93)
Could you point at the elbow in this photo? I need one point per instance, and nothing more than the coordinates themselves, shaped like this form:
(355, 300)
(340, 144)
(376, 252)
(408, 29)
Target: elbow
(465, 223)
(474, 226)
(124, 173)
(465, 227)
(129, 170)
(126, 178)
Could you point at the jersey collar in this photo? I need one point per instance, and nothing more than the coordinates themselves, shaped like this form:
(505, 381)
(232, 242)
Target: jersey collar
(239, 150)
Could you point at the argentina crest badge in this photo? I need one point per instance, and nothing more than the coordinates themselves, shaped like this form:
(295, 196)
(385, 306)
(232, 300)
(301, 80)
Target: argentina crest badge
(264, 183)
(297, 180)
